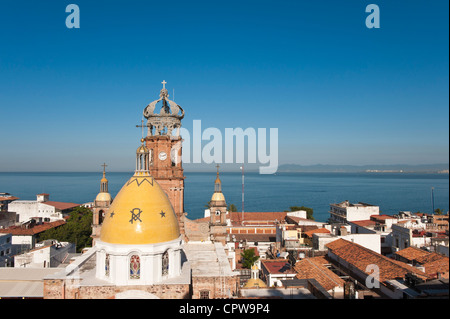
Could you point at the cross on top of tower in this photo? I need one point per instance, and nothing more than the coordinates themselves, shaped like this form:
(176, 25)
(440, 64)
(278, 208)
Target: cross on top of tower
(164, 84)
(104, 167)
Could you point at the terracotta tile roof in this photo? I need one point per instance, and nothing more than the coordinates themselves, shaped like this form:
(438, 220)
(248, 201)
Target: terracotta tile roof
(432, 262)
(277, 266)
(314, 268)
(429, 258)
(2, 198)
(436, 266)
(411, 253)
(361, 257)
(309, 233)
(61, 205)
(22, 231)
(364, 223)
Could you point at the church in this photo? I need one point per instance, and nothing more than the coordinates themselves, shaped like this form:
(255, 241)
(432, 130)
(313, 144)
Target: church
(140, 247)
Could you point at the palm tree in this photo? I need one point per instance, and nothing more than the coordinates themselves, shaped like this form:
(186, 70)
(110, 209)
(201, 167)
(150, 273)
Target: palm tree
(248, 258)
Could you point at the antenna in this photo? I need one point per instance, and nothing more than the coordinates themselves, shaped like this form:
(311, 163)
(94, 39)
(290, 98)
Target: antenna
(432, 200)
(242, 168)
(173, 95)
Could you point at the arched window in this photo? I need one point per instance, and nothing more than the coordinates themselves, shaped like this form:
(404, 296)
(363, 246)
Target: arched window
(135, 267)
(204, 294)
(101, 216)
(107, 265)
(165, 263)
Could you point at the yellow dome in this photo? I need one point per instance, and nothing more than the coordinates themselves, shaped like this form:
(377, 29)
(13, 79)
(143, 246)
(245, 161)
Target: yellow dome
(106, 197)
(251, 283)
(140, 214)
(218, 197)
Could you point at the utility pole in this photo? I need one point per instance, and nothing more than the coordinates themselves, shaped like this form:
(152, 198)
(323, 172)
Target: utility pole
(242, 219)
(432, 200)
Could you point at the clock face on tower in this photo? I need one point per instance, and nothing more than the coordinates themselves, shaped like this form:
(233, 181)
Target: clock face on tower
(162, 156)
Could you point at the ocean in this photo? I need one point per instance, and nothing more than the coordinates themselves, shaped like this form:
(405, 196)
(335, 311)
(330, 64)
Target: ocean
(393, 192)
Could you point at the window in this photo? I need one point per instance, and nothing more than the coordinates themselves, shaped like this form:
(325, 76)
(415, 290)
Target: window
(107, 265)
(165, 264)
(204, 294)
(135, 267)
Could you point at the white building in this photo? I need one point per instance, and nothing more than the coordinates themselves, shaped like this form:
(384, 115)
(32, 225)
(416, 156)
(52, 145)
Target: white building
(42, 207)
(347, 212)
(369, 241)
(49, 253)
(275, 270)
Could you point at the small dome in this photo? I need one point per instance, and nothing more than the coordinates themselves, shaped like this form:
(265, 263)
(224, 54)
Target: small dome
(253, 283)
(141, 213)
(218, 197)
(142, 148)
(105, 197)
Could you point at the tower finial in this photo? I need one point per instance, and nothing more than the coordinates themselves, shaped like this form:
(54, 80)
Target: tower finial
(164, 84)
(104, 167)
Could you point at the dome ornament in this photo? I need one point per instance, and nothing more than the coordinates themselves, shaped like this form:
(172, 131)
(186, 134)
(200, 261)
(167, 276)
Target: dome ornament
(169, 117)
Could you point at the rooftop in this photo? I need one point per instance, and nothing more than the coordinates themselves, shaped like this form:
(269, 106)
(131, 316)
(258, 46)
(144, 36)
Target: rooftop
(207, 260)
(61, 205)
(309, 233)
(24, 231)
(236, 217)
(315, 268)
(277, 266)
(346, 203)
(361, 257)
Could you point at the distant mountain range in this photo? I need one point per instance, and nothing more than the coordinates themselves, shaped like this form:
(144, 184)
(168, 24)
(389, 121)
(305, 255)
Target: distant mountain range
(397, 168)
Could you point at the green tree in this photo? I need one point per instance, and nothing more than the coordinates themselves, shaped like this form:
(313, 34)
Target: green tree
(248, 258)
(309, 211)
(232, 208)
(77, 229)
(438, 211)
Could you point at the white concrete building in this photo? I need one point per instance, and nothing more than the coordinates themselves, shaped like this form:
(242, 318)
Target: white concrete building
(347, 212)
(47, 254)
(275, 270)
(370, 241)
(42, 207)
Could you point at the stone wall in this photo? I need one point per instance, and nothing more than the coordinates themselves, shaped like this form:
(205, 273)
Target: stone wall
(214, 286)
(61, 289)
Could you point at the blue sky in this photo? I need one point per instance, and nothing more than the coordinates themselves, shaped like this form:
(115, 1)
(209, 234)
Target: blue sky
(338, 92)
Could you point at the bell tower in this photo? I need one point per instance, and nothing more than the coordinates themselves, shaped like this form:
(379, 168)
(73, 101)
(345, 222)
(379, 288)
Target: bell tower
(165, 143)
(217, 204)
(101, 206)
